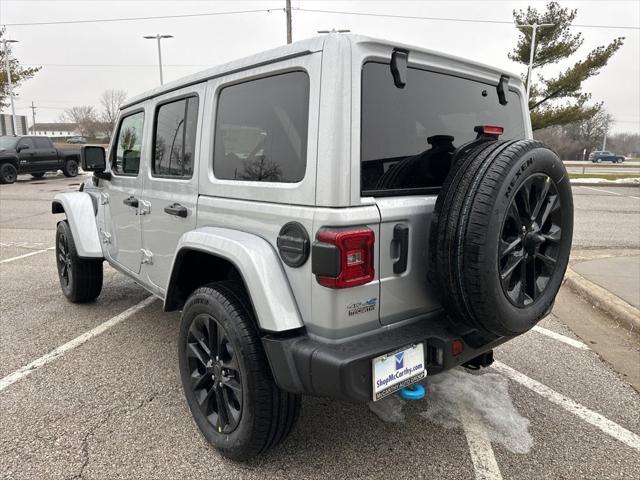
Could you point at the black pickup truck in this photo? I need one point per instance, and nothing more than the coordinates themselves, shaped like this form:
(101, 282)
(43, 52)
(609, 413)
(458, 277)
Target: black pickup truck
(35, 155)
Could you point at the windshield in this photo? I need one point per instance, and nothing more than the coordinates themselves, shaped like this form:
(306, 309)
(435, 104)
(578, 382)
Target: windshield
(409, 134)
(8, 142)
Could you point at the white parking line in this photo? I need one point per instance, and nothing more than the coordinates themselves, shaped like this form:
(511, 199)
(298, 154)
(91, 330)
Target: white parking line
(70, 345)
(609, 191)
(484, 461)
(589, 416)
(7, 260)
(561, 338)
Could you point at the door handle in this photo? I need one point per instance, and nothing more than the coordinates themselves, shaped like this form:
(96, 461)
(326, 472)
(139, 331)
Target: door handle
(401, 238)
(176, 209)
(131, 202)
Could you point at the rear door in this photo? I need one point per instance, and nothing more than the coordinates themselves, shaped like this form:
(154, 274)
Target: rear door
(408, 136)
(170, 191)
(46, 155)
(123, 235)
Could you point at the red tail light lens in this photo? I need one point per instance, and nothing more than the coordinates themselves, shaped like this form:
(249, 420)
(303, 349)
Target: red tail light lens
(354, 249)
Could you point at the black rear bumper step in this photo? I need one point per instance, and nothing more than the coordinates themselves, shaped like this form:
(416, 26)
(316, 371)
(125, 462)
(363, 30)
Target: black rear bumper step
(301, 364)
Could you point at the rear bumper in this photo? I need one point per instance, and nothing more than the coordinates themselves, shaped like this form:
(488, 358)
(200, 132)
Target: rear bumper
(301, 364)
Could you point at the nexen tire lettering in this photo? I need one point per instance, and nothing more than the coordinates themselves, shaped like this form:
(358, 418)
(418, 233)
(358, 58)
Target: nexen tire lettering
(518, 174)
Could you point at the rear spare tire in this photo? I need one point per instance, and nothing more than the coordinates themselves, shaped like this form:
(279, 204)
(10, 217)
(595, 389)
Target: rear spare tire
(500, 236)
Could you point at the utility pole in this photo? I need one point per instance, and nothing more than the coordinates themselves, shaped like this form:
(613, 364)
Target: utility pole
(158, 37)
(33, 116)
(8, 70)
(288, 10)
(534, 28)
(604, 139)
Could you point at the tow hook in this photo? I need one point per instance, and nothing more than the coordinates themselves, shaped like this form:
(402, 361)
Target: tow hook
(483, 360)
(412, 392)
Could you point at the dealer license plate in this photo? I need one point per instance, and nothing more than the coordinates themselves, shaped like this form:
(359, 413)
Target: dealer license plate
(398, 369)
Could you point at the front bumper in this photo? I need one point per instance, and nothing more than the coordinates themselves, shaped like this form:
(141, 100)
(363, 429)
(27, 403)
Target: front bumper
(301, 364)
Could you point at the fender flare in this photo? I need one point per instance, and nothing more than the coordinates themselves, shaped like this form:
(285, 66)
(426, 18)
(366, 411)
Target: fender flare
(78, 208)
(12, 159)
(260, 268)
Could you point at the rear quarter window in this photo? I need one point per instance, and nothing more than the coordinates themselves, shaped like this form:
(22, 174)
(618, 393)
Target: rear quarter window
(416, 129)
(261, 129)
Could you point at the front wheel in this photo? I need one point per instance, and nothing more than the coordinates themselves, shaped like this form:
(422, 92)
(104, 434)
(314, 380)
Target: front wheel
(80, 278)
(225, 375)
(70, 168)
(8, 173)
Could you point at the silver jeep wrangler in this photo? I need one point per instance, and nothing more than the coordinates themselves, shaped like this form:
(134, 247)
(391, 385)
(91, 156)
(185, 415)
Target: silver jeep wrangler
(341, 216)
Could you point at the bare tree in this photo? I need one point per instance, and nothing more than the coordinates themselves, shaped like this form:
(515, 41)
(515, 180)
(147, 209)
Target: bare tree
(110, 101)
(84, 116)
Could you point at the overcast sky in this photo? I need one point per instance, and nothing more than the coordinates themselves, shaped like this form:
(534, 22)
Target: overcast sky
(79, 61)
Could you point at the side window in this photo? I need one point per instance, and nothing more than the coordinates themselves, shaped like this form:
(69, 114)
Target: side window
(42, 142)
(27, 142)
(128, 147)
(175, 138)
(261, 129)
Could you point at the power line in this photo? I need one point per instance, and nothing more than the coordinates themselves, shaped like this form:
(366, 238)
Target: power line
(130, 19)
(446, 19)
(310, 10)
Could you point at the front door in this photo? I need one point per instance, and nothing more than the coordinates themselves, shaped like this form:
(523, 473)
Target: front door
(122, 220)
(171, 182)
(46, 154)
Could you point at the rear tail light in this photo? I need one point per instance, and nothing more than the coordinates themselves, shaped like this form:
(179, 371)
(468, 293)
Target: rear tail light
(343, 258)
(457, 347)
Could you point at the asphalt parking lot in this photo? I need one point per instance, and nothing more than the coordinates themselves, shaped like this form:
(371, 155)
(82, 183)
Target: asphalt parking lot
(109, 404)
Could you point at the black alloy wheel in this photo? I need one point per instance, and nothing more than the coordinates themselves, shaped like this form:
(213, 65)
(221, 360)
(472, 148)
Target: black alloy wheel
(80, 278)
(8, 173)
(63, 257)
(530, 238)
(226, 377)
(215, 373)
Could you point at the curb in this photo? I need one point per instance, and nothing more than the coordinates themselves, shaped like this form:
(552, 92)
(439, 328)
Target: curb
(604, 300)
(604, 184)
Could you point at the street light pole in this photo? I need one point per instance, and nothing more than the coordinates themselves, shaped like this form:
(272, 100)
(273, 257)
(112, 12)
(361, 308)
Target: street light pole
(534, 28)
(8, 70)
(288, 12)
(158, 37)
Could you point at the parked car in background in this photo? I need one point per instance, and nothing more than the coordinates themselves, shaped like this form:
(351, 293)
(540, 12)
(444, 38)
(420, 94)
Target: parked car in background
(77, 140)
(600, 156)
(35, 155)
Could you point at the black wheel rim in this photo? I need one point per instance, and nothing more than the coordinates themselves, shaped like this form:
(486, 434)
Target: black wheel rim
(73, 168)
(9, 174)
(64, 260)
(215, 373)
(530, 240)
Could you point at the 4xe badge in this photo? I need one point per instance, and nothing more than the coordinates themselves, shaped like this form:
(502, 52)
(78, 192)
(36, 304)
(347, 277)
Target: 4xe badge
(362, 307)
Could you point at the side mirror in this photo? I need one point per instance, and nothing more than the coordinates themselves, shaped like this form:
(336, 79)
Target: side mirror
(93, 158)
(19, 148)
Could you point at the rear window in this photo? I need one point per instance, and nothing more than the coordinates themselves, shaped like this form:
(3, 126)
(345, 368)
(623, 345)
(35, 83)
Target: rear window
(410, 134)
(42, 142)
(261, 129)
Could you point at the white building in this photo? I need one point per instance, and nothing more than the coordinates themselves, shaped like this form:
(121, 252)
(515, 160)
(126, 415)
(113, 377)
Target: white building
(55, 130)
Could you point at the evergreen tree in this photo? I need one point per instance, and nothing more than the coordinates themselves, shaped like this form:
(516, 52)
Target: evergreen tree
(18, 73)
(558, 100)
